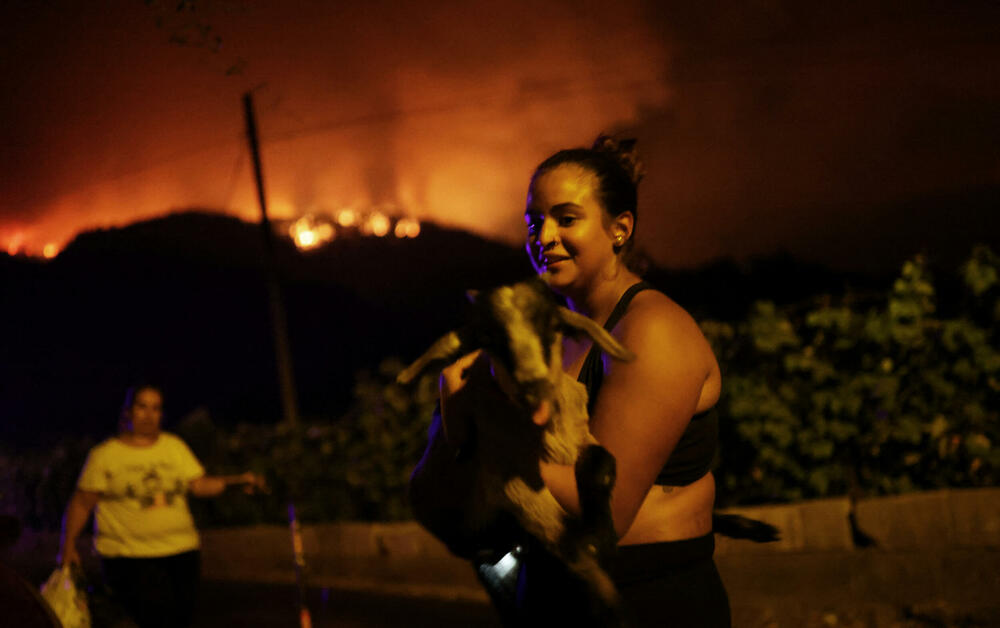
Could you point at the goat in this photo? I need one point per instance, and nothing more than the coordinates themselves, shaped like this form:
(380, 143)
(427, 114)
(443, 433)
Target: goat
(521, 327)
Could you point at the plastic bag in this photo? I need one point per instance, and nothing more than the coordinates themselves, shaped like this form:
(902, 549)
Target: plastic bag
(67, 599)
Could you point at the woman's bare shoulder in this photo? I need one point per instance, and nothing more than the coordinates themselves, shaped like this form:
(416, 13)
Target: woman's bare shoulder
(668, 338)
(654, 317)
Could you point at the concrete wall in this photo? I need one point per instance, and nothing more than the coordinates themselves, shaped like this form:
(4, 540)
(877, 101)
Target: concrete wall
(934, 554)
(933, 557)
(391, 557)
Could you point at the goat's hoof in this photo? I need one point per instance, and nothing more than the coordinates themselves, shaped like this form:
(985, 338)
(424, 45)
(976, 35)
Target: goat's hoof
(595, 467)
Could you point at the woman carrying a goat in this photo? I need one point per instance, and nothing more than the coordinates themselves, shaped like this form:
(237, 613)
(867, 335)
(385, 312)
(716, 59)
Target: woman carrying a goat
(652, 413)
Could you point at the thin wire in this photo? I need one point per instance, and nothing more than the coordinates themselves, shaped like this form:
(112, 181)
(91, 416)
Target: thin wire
(382, 117)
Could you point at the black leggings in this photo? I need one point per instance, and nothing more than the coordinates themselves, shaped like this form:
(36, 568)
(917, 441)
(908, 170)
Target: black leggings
(674, 583)
(156, 592)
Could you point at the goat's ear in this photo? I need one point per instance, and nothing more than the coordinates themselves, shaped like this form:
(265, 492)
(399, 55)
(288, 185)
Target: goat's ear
(577, 322)
(472, 295)
(445, 349)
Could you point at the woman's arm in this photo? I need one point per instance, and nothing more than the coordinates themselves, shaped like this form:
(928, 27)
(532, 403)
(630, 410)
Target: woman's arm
(212, 485)
(444, 481)
(441, 481)
(77, 512)
(643, 406)
(441, 484)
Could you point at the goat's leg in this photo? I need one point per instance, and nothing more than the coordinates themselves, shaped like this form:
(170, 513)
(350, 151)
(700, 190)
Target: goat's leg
(542, 516)
(444, 349)
(537, 511)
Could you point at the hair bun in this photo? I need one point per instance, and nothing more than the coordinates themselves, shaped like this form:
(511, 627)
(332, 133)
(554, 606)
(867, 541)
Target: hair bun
(624, 152)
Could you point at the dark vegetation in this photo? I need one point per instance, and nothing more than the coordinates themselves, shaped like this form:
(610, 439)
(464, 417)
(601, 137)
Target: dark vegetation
(182, 301)
(834, 384)
(864, 396)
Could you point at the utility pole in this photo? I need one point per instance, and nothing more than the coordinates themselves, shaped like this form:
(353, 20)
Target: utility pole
(279, 325)
(282, 352)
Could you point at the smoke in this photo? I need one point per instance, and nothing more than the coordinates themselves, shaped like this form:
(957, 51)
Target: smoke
(441, 110)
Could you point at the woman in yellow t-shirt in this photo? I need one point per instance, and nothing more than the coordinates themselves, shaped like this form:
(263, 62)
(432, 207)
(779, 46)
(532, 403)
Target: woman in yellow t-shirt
(137, 484)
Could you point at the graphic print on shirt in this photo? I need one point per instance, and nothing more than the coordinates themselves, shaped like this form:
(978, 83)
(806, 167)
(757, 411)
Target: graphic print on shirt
(152, 486)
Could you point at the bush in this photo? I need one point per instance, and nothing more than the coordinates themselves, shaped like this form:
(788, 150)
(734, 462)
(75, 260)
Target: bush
(855, 397)
(836, 399)
(354, 468)
(35, 487)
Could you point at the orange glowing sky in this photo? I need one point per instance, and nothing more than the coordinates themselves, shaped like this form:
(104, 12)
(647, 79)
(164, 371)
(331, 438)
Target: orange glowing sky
(764, 125)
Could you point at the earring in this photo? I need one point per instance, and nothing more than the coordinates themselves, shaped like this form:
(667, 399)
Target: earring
(619, 239)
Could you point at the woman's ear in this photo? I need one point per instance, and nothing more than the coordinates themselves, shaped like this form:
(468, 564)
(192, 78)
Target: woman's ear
(621, 227)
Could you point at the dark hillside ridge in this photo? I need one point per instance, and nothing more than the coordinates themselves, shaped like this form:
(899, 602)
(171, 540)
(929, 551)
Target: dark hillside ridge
(182, 300)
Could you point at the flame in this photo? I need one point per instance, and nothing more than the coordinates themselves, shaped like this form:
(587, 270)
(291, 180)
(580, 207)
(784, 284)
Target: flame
(407, 228)
(452, 140)
(313, 230)
(14, 244)
(347, 218)
(50, 250)
(310, 232)
(377, 224)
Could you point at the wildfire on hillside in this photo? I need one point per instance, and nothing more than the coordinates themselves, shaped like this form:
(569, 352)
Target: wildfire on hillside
(450, 137)
(308, 231)
(313, 230)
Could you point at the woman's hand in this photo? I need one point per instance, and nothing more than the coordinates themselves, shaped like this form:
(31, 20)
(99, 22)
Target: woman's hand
(456, 375)
(252, 483)
(68, 556)
(212, 485)
(77, 512)
(471, 367)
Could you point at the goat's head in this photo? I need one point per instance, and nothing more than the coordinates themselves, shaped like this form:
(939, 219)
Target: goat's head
(521, 327)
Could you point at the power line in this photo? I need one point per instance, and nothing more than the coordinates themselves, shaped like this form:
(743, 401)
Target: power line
(552, 90)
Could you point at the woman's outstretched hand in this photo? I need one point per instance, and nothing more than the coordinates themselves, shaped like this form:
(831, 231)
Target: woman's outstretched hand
(213, 485)
(252, 483)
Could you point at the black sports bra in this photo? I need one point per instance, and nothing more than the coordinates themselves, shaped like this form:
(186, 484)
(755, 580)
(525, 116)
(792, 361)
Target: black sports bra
(693, 456)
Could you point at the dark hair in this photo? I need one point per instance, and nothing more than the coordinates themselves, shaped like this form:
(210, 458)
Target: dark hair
(616, 165)
(130, 394)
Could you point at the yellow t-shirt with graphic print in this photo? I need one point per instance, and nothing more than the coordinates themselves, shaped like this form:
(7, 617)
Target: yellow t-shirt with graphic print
(142, 510)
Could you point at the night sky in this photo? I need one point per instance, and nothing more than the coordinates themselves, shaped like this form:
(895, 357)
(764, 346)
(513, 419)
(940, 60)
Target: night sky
(852, 133)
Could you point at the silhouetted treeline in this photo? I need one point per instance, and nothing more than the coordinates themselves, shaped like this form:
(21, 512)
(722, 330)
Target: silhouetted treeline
(181, 300)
